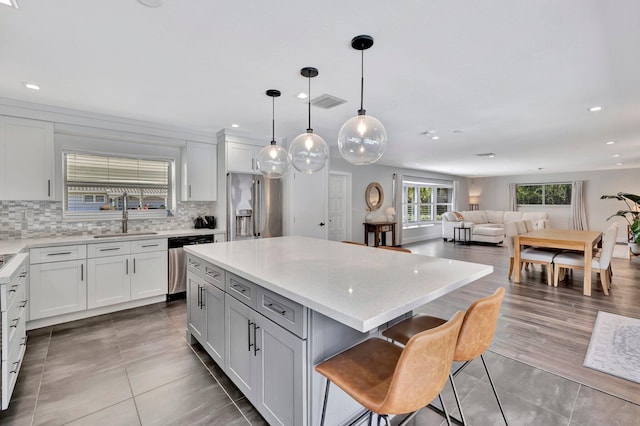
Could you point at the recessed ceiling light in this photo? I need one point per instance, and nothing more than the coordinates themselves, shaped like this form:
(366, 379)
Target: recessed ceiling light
(302, 95)
(618, 164)
(595, 109)
(616, 155)
(610, 142)
(12, 3)
(491, 155)
(435, 138)
(31, 86)
(235, 126)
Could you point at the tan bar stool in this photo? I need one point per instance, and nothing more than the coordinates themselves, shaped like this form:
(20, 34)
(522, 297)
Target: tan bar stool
(387, 379)
(475, 336)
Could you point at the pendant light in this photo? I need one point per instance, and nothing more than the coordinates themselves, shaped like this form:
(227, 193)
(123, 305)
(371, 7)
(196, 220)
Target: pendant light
(273, 160)
(362, 139)
(308, 151)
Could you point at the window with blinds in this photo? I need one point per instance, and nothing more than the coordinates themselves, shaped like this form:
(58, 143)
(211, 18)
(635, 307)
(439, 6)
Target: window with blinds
(95, 185)
(425, 200)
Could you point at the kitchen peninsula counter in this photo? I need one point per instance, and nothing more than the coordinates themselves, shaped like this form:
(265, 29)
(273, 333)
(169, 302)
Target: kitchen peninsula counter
(361, 287)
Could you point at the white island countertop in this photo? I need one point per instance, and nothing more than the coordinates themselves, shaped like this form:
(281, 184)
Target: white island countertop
(361, 287)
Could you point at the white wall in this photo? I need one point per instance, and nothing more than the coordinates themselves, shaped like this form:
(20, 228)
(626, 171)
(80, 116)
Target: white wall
(493, 193)
(364, 175)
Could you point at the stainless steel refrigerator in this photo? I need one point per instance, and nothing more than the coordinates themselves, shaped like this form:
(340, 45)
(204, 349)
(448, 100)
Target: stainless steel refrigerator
(254, 207)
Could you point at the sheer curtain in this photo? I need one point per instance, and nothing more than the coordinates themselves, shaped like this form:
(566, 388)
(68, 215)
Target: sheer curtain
(397, 204)
(456, 186)
(578, 212)
(512, 197)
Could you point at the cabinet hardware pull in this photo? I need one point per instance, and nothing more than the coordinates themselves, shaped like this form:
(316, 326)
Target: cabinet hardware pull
(24, 304)
(189, 191)
(249, 324)
(134, 265)
(24, 341)
(127, 267)
(199, 294)
(14, 371)
(110, 249)
(150, 245)
(13, 288)
(48, 187)
(273, 308)
(192, 263)
(202, 298)
(15, 321)
(239, 288)
(82, 272)
(24, 274)
(255, 339)
(58, 253)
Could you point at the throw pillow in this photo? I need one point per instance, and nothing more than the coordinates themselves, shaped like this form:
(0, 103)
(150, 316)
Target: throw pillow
(458, 215)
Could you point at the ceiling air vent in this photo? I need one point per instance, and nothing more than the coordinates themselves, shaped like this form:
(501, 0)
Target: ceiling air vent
(486, 154)
(327, 101)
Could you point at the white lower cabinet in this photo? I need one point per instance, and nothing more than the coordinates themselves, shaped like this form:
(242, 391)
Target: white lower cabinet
(14, 305)
(266, 362)
(196, 309)
(215, 342)
(58, 280)
(126, 270)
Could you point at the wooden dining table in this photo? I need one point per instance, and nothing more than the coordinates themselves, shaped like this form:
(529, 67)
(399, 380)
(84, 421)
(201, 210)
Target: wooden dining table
(562, 239)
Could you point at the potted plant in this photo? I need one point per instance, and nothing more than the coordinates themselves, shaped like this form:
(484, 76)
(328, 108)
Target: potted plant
(632, 216)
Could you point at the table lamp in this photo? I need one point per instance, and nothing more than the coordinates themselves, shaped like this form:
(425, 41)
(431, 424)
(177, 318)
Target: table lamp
(391, 214)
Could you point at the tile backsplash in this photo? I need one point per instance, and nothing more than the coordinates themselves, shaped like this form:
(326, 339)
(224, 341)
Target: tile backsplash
(38, 219)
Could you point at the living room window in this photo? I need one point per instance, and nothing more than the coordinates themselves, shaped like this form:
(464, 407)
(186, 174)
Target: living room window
(94, 186)
(544, 194)
(425, 201)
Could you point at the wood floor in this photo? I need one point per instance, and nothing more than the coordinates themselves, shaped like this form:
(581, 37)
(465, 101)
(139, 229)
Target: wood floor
(543, 326)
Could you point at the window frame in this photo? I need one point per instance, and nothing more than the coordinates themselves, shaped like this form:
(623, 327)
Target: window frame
(543, 194)
(116, 215)
(432, 204)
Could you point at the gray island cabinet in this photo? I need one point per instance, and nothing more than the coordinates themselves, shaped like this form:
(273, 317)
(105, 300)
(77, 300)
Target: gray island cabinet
(268, 310)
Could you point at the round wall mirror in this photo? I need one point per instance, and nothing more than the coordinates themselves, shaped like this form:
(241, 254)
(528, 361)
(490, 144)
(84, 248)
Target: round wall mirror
(374, 196)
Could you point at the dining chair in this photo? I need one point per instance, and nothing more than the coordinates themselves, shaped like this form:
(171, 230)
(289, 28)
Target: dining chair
(404, 250)
(599, 264)
(529, 254)
(529, 225)
(476, 334)
(387, 379)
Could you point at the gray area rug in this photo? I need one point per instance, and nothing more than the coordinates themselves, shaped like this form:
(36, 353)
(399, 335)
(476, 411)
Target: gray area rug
(615, 346)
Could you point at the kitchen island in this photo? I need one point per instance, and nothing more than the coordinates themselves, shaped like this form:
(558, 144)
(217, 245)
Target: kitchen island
(268, 310)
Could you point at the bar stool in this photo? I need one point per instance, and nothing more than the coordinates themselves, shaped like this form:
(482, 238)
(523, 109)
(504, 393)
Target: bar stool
(387, 379)
(475, 336)
(404, 250)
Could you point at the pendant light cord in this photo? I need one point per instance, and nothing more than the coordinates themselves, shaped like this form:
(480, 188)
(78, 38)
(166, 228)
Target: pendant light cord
(309, 129)
(361, 111)
(273, 120)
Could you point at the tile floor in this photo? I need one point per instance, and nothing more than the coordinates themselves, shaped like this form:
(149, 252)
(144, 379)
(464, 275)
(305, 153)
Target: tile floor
(134, 367)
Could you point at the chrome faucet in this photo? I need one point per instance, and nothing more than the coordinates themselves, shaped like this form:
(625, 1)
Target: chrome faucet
(125, 213)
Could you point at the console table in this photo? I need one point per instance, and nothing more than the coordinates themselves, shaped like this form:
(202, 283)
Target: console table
(380, 230)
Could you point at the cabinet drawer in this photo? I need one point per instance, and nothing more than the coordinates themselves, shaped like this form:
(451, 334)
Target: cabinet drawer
(241, 289)
(57, 253)
(15, 314)
(214, 275)
(284, 312)
(115, 248)
(195, 264)
(144, 246)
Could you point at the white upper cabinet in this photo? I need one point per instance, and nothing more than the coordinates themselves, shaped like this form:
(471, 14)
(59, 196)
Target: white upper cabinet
(242, 158)
(199, 172)
(26, 159)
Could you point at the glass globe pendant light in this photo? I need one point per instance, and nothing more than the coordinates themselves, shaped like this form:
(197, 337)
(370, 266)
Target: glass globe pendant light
(362, 139)
(308, 151)
(273, 160)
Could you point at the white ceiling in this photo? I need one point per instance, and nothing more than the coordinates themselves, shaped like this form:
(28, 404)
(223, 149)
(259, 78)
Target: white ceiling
(516, 76)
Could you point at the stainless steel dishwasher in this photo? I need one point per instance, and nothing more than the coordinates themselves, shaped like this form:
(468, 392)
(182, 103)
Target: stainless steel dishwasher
(177, 264)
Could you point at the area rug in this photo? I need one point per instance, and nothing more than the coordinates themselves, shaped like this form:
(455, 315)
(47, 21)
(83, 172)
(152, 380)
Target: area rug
(615, 346)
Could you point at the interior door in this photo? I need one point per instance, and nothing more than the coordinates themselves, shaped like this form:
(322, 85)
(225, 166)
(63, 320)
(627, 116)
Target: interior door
(308, 203)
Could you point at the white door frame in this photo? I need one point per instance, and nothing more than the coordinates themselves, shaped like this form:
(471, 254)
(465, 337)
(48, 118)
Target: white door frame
(348, 204)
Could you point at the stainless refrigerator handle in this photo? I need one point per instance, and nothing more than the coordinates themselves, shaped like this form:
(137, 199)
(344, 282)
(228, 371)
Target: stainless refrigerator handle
(256, 205)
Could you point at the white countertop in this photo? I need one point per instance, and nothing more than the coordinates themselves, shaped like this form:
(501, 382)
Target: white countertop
(361, 287)
(16, 246)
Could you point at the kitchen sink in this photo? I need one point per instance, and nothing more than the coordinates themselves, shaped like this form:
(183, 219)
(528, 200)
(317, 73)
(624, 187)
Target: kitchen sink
(128, 234)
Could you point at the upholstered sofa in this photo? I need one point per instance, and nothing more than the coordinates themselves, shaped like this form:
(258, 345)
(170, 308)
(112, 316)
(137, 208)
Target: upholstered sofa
(487, 226)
